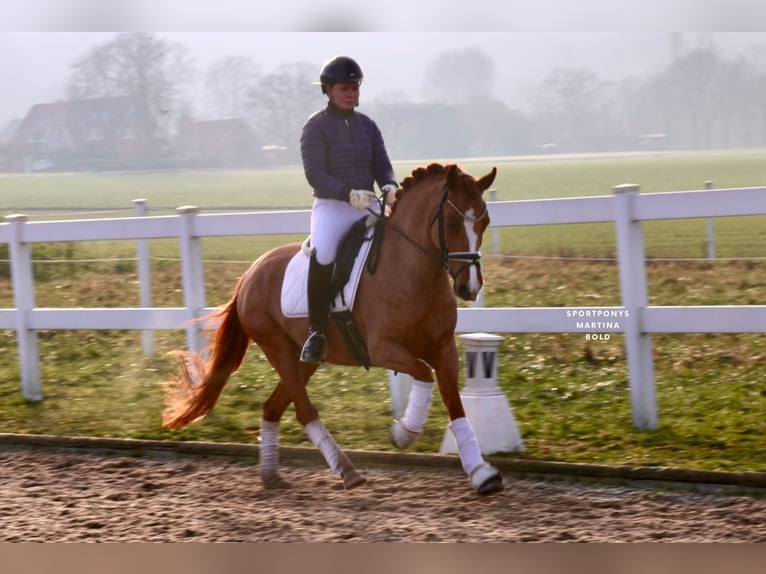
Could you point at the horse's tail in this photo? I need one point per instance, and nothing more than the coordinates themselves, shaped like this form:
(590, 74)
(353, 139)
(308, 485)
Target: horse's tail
(192, 394)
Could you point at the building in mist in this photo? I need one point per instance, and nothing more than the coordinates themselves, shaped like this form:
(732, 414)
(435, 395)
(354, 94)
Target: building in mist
(100, 133)
(222, 143)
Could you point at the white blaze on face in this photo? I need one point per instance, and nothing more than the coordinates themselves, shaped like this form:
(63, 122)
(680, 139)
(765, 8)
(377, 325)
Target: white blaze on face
(473, 241)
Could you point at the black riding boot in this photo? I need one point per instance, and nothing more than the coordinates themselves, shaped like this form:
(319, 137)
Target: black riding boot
(320, 297)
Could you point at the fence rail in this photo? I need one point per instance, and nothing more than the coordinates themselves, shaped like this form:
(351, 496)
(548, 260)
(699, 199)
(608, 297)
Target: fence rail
(626, 207)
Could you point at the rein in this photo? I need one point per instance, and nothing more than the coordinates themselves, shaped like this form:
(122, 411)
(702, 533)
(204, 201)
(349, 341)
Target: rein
(470, 257)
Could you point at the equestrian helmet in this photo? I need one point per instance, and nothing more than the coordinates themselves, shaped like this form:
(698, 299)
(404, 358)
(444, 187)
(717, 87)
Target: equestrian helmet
(340, 69)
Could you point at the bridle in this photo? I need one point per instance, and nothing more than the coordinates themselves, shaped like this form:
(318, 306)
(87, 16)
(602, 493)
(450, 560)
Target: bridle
(470, 257)
(445, 256)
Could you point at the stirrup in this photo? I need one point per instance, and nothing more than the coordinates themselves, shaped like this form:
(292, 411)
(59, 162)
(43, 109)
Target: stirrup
(314, 349)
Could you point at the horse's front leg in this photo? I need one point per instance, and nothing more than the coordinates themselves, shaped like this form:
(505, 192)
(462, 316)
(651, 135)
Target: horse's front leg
(406, 430)
(485, 478)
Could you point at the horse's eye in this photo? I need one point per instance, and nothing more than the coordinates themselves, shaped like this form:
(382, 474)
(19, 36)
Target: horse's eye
(453, 225)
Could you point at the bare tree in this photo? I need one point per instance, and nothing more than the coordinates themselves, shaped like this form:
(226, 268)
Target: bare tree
(460, 76)
(140, 66)
(694, 84)
(756, 88)
(703, 100)
(227, 84)
(573, 108)
(280, 102)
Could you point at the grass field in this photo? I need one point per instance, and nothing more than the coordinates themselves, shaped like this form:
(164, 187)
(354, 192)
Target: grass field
(54, 196)
(569, 395)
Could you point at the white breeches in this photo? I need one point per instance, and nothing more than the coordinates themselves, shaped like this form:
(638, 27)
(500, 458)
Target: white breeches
(330, 220)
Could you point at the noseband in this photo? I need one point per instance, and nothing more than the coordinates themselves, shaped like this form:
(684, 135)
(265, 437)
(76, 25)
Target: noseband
(470, 257)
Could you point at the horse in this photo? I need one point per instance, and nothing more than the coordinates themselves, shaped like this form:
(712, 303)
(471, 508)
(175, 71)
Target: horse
(406, 311)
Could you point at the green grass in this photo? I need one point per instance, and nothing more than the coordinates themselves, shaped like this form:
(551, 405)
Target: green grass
(267, 188)
(570, 396)
(518, 178)
(83, 195)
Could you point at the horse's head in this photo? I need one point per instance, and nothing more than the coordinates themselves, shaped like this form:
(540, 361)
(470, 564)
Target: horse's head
(458, 227)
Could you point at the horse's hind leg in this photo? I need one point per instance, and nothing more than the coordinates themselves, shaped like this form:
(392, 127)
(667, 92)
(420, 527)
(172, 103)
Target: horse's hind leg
(292, 388)
(335, 457)
(268, 462)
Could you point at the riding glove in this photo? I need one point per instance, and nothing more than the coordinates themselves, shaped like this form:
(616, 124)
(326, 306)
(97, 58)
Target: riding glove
(360, 198)
(389, 192)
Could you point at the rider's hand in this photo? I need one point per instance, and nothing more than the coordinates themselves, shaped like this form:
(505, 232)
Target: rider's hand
(389, 192)
(360, 198)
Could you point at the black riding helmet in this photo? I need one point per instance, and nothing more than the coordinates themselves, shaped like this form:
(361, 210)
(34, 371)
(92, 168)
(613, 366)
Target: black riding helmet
(340, 69)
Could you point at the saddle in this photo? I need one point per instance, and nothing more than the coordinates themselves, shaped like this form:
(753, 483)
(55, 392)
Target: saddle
(352, 256)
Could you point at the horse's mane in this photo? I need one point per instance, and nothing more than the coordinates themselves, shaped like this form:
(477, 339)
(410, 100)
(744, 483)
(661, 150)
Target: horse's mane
(419, 175)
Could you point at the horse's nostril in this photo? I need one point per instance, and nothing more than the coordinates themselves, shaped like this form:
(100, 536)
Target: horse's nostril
(465, 293)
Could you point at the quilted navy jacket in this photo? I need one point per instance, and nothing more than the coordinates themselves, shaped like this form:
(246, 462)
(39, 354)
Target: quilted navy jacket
(342, 151)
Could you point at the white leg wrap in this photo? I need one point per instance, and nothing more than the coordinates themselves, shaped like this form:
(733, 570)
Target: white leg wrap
(326, 444)
(419, 404)
(406, 430)
(467, 446)
(483, 472)
(269, 450)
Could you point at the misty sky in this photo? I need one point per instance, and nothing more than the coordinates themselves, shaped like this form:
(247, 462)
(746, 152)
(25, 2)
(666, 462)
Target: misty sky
(34, 66)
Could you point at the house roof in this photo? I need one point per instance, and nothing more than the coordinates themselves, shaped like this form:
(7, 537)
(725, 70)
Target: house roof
(8, 133)
(74, 123)
(218, 136)
(217, 132)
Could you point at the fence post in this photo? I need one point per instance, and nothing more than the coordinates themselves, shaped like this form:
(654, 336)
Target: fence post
(638, 344)
(22, 278)
(192, 275)
(144, 278)
(494, 230)
(710, 230)
(495, 249)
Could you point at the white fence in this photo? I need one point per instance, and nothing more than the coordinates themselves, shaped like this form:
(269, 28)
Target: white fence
(625, 207)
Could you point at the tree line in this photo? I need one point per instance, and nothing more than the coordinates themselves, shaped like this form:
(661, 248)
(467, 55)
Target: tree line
(701, 99)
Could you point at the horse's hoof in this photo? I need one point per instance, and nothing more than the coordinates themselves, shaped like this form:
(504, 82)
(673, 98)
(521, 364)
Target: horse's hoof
(401, 436)
(487, 480)
(490, 486)
(274, 482)
(352, 479)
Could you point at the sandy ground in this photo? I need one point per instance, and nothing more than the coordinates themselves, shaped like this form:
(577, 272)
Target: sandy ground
(76, 497)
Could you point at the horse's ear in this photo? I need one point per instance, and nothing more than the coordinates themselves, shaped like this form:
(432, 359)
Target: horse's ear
(487, 180)
(452, 173)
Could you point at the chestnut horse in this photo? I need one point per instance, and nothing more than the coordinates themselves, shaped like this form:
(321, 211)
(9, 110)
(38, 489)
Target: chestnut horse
(405, 310)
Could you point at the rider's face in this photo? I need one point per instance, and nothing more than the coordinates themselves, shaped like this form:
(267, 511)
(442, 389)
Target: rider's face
(344, 95)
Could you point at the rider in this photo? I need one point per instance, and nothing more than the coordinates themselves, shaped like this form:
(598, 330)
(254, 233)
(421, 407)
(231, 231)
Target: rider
(343, 156)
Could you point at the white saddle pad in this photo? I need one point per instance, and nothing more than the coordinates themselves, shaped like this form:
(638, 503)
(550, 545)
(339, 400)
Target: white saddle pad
(295, 283)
